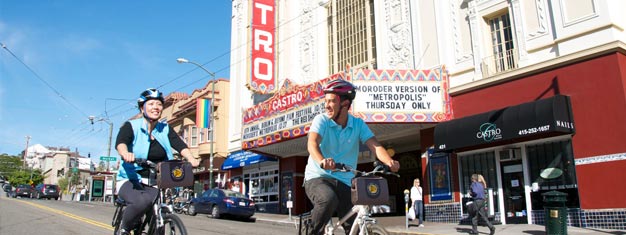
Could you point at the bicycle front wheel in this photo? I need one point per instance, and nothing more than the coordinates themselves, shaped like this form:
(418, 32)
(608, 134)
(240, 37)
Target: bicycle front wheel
(374, 229)
(173, 225)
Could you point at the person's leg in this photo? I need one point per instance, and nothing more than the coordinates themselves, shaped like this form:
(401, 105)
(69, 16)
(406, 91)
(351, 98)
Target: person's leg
(345, 205)
(322, 195)
(481, 212)
(137, 202)
(478, 205)
(419, 209)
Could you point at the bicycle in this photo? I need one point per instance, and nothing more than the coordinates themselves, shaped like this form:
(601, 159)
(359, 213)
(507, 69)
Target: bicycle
(363, 224)
(160, 219)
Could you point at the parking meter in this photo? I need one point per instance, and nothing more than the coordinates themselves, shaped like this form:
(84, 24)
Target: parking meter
(407, 199)
(289, 203)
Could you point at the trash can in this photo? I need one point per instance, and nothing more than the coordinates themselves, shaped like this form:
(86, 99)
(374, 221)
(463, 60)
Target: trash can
(555, 212)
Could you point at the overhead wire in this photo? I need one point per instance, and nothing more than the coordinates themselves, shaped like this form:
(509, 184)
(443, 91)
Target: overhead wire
(230, 65)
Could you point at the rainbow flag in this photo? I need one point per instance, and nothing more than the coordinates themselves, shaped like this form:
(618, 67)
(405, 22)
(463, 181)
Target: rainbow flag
(203, 112)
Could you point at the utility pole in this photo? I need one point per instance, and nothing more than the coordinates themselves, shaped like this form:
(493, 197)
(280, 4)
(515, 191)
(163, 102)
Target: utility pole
(25, 152)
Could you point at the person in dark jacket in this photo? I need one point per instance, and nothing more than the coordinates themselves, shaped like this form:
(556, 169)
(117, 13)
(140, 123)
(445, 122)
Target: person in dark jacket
(478, 194)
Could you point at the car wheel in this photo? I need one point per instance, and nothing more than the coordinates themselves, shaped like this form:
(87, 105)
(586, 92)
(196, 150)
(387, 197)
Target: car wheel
(192, 210)
(215, 212)
(56, 198)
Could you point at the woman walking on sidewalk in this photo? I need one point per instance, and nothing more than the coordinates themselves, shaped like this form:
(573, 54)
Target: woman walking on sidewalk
(418, 204)
(478, 193)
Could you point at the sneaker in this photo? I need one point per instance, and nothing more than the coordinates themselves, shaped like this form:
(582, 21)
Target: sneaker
(421, 225)
(492, 231)
(122, 232)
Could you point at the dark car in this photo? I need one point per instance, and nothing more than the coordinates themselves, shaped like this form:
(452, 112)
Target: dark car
(48, 191)
(8, 189)
(23, 190)
(218, 202)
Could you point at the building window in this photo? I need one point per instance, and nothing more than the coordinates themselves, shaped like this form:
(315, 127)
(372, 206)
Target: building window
(504, 54)
(479, 163)
(202, 134)
(551, 167)
(194, 136)
(263, 185)
(351, 34)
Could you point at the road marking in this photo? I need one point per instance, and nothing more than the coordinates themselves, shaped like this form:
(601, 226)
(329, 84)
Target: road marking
(70, 215)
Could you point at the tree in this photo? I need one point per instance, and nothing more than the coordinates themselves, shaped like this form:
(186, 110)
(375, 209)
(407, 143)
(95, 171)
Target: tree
(63, 183)
(32, 176)
(9, 164)
(101, 167)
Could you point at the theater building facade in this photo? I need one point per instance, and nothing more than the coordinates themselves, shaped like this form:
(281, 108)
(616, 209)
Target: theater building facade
(530, 94)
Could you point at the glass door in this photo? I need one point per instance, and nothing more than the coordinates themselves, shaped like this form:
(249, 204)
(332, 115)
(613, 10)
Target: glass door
(514, 197)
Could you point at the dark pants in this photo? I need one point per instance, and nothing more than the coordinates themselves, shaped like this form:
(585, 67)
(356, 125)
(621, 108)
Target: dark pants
(328, 196)
(138, 201)
(480, 213)
(418, 206)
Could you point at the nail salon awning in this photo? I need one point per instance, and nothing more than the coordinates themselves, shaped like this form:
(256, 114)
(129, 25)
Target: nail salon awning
(244, 158)
(547, 117)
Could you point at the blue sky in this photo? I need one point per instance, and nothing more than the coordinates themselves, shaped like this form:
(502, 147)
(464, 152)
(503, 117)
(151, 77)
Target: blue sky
(94, 58)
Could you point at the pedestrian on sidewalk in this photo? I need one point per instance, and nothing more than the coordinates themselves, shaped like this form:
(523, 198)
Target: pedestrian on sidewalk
(418, 204)
(478, 194)
(73, 192)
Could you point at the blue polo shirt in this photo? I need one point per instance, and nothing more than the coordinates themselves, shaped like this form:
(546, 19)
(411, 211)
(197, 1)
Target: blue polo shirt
(341, 144)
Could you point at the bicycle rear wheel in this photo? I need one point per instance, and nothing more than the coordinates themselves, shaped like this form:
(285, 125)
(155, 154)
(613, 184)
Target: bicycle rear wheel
(375, 229)
(173, 225)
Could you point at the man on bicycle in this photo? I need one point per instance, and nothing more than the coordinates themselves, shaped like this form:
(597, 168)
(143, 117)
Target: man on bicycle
(144, 138)
(335, 137)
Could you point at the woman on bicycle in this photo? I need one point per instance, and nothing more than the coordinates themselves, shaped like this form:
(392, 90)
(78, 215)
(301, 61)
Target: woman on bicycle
(145, 138)
(335, 137)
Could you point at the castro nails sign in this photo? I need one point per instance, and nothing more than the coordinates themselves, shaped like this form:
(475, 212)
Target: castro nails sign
(262, 62)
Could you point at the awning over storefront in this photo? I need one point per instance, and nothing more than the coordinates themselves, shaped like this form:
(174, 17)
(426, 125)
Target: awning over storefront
(551, 116)
(243, 158)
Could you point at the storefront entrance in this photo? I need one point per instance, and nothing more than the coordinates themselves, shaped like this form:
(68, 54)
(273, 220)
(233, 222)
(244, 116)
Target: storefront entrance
(514, 197)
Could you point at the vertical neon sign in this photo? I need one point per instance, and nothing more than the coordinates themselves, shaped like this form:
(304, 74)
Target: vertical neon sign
(262, 77)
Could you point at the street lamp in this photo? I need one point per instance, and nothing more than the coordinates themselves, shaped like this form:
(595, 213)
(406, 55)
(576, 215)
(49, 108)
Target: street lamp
(212, 128)
(92, 119)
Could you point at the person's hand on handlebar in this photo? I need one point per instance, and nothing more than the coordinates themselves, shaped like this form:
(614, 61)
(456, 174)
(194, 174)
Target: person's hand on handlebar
(128, 157)
(194, 161)
(327, 164)
(394, 165)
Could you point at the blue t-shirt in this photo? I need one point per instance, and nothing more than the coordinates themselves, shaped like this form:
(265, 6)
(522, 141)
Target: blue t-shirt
(341, 144)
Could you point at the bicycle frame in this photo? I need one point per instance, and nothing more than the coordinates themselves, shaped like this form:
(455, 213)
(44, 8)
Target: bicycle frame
(360, 222)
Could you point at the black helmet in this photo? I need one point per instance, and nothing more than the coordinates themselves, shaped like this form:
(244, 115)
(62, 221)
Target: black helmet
(149, 94)
(340, 87)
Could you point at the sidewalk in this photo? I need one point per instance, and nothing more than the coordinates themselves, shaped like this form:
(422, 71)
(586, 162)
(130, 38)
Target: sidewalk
(396, 225)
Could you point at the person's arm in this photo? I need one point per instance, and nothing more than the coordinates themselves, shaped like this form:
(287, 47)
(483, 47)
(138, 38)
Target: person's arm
(186, 153)
(122, 149)
(313, 146)
(125, 138)
(381, 154)
(180, 146)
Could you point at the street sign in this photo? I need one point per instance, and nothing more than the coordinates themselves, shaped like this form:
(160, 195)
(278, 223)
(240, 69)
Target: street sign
(105, 158)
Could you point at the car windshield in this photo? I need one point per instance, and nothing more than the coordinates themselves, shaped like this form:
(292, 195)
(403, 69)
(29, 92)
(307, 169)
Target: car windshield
(229, 193)
(23, 186)
(51, 187)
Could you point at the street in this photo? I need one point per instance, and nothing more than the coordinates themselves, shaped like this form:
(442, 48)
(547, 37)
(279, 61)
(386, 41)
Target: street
(50, 217)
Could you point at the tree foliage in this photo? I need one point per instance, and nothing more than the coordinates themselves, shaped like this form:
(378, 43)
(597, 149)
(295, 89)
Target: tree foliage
(10, 164)
(33, 177)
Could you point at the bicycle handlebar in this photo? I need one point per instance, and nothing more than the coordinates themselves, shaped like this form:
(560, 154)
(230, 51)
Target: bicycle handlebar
(142, 162)
(379, 168)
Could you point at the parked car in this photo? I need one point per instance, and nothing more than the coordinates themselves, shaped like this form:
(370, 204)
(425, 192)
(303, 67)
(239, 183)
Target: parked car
(218, 202)
(8, 189)
(48, 191)
(24, 190)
